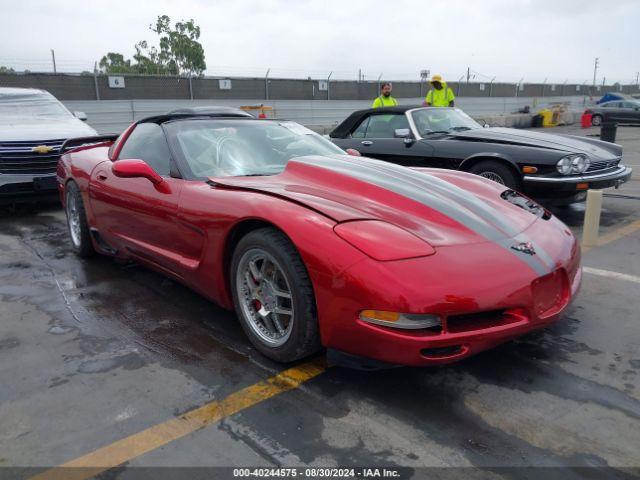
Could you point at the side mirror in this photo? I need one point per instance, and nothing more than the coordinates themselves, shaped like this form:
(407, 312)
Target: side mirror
(486, 125)
(353, 152)
(402, 133)
(135, 168)
(80, 116)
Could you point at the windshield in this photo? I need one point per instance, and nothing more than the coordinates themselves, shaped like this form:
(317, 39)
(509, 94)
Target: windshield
(442, 120)
(227, 148)
(30, 106)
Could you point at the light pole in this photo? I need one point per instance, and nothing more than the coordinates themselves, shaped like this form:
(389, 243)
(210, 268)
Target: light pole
(595, 70)
(328, 87)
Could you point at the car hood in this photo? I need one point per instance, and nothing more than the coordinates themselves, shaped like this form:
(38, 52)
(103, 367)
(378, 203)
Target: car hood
(512, 136)
(17, 129)
(442, 207)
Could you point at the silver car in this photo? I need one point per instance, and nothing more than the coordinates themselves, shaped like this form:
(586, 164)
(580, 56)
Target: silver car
(33, 126)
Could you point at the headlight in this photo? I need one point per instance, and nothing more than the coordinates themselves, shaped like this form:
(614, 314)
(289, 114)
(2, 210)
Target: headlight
(383, 241)
(572, 164)
(407, 321)
(579, 164)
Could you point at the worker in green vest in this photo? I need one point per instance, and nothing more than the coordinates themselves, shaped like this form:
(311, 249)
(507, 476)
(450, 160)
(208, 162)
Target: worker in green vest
(385, 99)
(440, 95)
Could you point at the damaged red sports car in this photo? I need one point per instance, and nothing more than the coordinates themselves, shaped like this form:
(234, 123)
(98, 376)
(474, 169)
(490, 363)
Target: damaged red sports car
(314, 248)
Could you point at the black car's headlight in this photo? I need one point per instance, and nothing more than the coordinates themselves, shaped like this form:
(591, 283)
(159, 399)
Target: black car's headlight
(576, 163)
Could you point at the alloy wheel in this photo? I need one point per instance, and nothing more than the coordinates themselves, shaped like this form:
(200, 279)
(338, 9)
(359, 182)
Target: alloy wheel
(73, 218)
(492, 176)
(265, 296)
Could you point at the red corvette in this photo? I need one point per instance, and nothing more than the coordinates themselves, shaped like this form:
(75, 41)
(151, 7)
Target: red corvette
(313, 247)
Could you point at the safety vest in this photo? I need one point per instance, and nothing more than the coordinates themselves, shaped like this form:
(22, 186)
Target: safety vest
(440, 98)
(383, 101)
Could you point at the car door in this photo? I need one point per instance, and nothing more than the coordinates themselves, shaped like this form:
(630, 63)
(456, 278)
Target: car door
(630, 112)
(613, 112)
(376, 137)
(133, 213)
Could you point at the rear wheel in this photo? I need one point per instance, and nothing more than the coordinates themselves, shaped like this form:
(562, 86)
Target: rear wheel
(596, 120)
(498, 172)
(77, 221)
(273, 296)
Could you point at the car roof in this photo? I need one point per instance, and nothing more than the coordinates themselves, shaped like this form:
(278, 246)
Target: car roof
(211, 110)
(21, 92)
(199, 112)
(352, 120)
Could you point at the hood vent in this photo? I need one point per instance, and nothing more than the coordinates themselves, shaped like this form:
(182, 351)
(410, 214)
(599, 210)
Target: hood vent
(525, 203)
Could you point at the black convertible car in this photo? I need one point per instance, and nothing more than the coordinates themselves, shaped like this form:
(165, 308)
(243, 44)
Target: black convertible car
(552, 167)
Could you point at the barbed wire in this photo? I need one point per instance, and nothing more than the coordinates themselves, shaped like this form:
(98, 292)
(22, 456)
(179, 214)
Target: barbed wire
(74, 66)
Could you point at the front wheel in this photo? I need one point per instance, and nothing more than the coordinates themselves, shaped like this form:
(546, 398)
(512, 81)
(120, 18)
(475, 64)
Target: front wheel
(596, 120)
(77, 221)
(273, 296)
(498, 172)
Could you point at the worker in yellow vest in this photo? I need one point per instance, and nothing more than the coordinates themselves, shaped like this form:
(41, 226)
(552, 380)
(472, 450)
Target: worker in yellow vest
(385, 99)
(440, 95)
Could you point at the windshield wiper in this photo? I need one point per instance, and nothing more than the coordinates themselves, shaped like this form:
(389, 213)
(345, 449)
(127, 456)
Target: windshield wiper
(460, 129)
(435, 131)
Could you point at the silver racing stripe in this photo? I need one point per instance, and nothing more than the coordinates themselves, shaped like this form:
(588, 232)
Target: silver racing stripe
(440, 195)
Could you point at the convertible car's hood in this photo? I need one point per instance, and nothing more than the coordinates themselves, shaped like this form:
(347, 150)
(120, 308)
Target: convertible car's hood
(440, 206)
(530, 138)
(18, 129)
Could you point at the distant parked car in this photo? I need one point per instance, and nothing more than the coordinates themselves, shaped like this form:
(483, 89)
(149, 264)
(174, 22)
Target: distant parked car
(33, 126)
(553, 168)
(618, 111)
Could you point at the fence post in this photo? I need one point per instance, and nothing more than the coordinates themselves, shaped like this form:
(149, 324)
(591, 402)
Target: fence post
(95, 80)
(266, 85)
(190, 87)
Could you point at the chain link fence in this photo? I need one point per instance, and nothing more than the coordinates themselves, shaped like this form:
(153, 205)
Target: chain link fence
(98, 86)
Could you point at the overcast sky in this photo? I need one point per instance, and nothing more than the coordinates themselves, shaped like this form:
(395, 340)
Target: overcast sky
(509, 39)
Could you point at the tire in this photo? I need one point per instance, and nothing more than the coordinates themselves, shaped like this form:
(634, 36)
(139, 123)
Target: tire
(498, 172)
(264, 267)
(79, 232)
(596, 120)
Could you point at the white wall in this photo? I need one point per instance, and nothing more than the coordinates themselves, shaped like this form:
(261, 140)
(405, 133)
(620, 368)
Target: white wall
(113, 116)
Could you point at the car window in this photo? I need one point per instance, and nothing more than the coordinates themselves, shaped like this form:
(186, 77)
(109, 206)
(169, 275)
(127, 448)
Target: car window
(629, 105)
(361, 130)
(611, 105)
(30, 107)
(384, 126)
(147, 142)
(225, 148)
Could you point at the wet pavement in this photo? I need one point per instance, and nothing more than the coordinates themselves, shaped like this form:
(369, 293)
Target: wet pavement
(93, 351)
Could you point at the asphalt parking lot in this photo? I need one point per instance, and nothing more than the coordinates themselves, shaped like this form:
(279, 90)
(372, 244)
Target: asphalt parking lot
(113, 366)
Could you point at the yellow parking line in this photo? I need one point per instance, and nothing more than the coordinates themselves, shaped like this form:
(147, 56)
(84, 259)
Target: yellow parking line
(616, 234)
(159, 435)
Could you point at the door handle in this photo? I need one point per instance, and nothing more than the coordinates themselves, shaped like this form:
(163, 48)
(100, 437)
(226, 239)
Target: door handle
(366, 143)
(102, 176)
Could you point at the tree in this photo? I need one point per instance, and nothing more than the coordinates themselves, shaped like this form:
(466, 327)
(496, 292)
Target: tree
(6, 70)
(115, 63)
(179, 52)
(180, 46)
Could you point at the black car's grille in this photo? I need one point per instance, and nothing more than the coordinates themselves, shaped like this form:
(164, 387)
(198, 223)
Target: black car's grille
(24, 157)
(603, 165)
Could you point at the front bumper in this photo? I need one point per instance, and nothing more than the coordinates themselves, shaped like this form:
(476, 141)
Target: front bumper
(19, 188)
(484, 296)
(575, 185)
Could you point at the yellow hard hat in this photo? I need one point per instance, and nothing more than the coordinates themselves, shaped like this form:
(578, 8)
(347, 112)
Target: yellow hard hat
(436, 78)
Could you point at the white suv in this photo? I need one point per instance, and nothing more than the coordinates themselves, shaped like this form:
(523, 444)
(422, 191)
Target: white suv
(33, 126)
